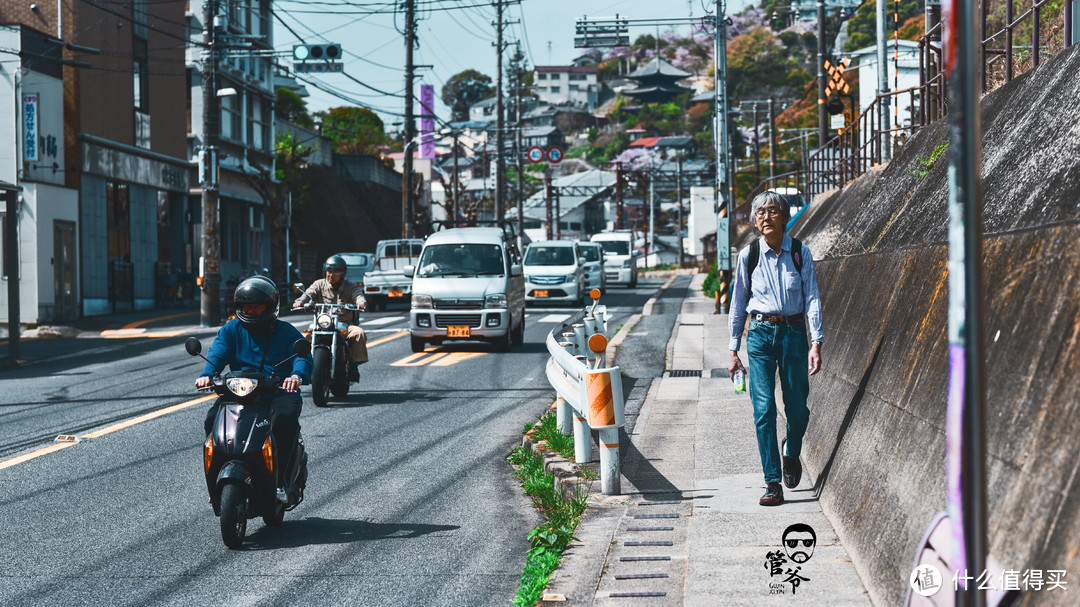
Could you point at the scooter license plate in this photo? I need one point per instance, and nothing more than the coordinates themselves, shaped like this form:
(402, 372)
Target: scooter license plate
(457, 331)
(396, 292)
(540, 293)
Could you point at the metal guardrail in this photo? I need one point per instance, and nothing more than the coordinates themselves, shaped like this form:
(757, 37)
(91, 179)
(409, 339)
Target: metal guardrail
(590, 395)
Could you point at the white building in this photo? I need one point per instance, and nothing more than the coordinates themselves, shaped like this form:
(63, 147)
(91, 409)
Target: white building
(574, 84)
(32, 122)
(902, 72)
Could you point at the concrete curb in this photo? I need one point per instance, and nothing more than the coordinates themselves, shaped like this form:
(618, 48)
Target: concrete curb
(617, 341)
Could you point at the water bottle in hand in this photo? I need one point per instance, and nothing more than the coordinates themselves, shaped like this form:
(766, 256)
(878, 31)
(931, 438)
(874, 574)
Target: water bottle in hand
(740, 381)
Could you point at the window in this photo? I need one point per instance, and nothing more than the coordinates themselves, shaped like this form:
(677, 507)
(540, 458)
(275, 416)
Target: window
(230, 116)
(556, 89)
(258, 125)
(140, 74)
(258, 226)
(541, 76)
(555, 76)
(574, 87)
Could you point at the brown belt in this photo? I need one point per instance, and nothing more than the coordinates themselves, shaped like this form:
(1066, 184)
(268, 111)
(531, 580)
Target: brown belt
(777, 319)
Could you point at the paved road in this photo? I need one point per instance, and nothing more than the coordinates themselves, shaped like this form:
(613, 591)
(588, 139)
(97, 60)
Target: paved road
(409, 500)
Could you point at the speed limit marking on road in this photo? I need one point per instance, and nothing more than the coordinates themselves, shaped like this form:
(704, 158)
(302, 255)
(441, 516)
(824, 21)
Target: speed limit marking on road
(535, 154)
(554, 154)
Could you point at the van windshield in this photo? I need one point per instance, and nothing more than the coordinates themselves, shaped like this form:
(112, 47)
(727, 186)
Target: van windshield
(549, 256)
(461, 260)
(590, 253)
(615, 247)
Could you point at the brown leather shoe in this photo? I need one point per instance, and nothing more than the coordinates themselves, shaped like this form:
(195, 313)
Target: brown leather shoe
(792, 468)
(774, 495)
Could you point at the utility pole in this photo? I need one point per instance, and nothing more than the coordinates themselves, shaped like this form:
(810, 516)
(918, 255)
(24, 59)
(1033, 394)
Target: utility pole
(772, 143)
(455, 183)
(678, 197)
(11, 268)
(883, 80)
(500, 123)
(210, 299)
(757, 149)
(720, 133)
(822, 114)
(407, 168)
(519, 73)
(618, 196)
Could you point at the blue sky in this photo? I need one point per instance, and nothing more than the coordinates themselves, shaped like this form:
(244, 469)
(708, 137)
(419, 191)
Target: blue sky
(450, 40)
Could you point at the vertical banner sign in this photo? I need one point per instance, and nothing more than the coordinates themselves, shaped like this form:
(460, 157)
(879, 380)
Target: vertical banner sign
(427, 121)
(723, 246)
(30, 126)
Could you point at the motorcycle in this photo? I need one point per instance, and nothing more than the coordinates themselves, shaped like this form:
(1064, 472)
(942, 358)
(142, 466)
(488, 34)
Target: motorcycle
(240, 455)
(330, 351)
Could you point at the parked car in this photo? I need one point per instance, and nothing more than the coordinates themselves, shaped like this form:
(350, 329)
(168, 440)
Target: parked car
(594, 265)
(554, 271)
(357, 265)
(467, 285)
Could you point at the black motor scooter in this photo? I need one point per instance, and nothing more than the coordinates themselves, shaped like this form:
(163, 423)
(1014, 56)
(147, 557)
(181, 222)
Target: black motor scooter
(240, 457)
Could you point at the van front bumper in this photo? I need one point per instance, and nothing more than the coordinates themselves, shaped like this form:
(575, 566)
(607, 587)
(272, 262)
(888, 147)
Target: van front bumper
(431, 323)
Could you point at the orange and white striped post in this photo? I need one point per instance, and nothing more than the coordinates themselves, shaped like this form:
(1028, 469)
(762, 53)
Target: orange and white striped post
(603, 400)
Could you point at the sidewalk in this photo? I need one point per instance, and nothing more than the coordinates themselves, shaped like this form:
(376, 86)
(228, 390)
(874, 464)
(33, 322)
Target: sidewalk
(688, 529)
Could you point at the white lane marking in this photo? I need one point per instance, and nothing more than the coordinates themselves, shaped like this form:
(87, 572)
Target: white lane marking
(383, 321)
(554, 318)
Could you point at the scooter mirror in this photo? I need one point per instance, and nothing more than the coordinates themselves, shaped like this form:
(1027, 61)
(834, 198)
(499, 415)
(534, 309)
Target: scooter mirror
(301, 347)
(193, 346)
(298, 287)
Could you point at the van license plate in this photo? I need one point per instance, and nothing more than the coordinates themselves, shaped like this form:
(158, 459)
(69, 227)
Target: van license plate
(457, 331)
(540, 293)
(396, 292)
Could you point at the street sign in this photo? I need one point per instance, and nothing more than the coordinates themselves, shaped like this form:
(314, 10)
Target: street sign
(318, 68)
(535, 154)
(837, 121)
(554, 154)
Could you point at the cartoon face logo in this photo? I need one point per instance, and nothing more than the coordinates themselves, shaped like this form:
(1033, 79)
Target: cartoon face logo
(799, 542)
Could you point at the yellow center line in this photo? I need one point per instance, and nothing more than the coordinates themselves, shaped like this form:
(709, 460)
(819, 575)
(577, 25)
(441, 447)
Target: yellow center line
(456, 357)
(7, 463)
(140, 323)
(415, 360)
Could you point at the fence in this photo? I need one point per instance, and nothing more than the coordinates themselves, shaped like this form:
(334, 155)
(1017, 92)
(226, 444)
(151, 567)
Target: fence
(590, 395)
(864, 144)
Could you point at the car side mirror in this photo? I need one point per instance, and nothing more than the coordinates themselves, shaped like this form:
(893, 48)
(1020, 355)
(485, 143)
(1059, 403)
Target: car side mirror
(637, 253)
(301, 347)
(515, 269)
(409, 271)
(193, 346)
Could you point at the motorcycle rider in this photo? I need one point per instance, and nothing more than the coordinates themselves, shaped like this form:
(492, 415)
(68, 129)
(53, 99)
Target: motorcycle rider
(256, 339)
(334, 289)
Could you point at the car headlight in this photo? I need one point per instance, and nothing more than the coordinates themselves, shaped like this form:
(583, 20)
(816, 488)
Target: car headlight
(241, 386)
(570, 278)
(528, 278)
(324, 321)
(626, 263)
(495, 301)
(421, 301)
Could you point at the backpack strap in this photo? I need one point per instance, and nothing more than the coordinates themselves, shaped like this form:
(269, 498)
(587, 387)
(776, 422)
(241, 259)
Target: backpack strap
(755, 253)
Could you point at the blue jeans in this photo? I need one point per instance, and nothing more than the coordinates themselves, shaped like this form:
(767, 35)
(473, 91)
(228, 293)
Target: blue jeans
(771, 347)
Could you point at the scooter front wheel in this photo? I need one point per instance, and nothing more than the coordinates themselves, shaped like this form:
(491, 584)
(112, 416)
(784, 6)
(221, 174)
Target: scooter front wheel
(233, 515)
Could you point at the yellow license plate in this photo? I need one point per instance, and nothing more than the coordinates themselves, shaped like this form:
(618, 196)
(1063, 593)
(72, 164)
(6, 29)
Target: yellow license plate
(396, 292)
(539, 293)
(457, 331)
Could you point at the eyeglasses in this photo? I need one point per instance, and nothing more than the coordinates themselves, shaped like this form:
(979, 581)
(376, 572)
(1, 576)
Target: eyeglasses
(772, 211)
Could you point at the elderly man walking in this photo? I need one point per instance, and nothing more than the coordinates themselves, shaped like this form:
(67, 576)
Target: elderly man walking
(776, 288)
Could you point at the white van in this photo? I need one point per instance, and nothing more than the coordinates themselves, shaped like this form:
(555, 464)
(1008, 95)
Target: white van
(467, 285)
(620, 257)
(554, 271)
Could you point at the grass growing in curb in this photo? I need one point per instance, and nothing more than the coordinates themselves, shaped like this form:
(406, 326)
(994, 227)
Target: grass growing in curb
(546, 430)
(561, 515)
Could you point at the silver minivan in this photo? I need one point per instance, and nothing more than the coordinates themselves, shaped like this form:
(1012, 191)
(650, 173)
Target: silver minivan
(467, 285)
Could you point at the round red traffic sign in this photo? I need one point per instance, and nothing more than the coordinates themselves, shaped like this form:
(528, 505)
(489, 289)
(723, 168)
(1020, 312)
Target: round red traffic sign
(554, 154)
(535, 154)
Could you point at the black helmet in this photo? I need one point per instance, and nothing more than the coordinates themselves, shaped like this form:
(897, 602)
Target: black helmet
(334, 262)
(257, 290)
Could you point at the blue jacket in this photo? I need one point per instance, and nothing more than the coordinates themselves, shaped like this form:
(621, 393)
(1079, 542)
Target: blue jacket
(236, 347)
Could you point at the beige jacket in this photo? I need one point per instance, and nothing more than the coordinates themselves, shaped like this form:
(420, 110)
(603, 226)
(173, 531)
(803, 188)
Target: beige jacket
(347, 292)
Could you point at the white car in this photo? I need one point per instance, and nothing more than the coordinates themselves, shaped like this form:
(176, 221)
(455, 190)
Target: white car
(554, 271)
(594, 265)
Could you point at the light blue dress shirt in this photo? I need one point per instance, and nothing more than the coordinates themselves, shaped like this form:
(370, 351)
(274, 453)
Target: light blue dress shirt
(777, 290)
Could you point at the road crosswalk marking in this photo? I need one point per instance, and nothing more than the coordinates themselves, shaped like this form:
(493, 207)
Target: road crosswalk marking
(382, 321)
(554, 318)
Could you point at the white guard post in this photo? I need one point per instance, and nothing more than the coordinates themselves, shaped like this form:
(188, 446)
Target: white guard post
(592, 396)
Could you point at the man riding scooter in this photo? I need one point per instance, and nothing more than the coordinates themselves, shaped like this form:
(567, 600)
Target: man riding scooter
(334, 289)
(256, 339)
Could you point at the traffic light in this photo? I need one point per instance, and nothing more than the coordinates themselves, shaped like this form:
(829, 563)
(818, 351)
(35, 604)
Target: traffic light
(324, 52)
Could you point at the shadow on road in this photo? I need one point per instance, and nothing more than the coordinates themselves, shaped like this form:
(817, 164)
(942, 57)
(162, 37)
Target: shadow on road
(315, 530)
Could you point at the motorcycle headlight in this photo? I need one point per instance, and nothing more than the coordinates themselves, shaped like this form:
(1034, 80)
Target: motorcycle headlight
(497, 300)
(241, 386)
(421, 301)
(324, 321)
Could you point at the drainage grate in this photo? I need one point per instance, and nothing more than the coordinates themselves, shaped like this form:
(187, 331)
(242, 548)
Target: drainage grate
(691, 324)
(640, 576)
(644, 558)
(656, 543)
(685, 373)
(616, 595)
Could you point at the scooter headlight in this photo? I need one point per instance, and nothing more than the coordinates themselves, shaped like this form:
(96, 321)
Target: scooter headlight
(241, 386)
(324, 321)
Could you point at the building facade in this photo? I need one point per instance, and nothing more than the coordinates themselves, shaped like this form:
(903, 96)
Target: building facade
(569, 84)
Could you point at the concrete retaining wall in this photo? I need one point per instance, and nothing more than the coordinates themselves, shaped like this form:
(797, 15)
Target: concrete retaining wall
(875, 444)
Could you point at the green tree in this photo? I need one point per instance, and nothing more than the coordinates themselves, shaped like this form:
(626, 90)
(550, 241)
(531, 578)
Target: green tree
(354, 130)
(463, 90)
(292, 107)
(757, 58)
(862, 30)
